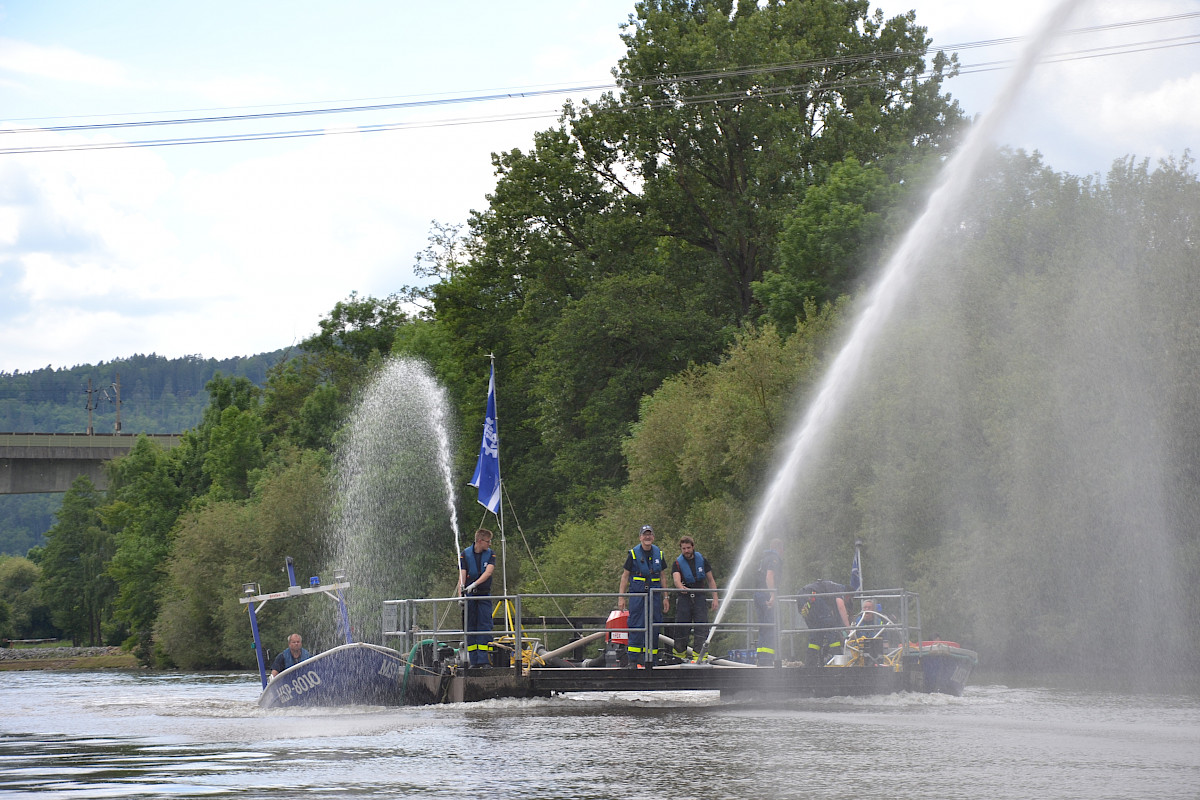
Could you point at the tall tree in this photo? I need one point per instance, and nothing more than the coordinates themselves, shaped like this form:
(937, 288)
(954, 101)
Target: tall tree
(74, 582)
(725, 117)
(729, 110)
(144, 500)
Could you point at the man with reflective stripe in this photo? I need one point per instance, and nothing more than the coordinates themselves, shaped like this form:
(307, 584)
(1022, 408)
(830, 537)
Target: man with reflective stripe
(692, 571)
(766, 582)
(475, 567)
(643, 573)
(824, 611)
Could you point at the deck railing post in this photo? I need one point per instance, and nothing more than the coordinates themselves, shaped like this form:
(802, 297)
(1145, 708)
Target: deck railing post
(517, 636)
(778, 660)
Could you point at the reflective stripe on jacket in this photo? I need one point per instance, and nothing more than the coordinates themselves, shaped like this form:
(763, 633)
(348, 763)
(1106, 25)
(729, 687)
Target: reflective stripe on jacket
(647, 571)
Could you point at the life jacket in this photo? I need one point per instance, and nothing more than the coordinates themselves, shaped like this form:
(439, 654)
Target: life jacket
(647, 568)
(476, 563)
(821, 612)
(692, 580)
(290, 661)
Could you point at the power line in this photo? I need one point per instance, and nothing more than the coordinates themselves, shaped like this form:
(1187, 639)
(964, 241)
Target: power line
(740, 94)
(344, 106)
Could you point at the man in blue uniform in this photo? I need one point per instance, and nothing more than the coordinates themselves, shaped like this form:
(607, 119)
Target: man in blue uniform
(643, 572)
(475, 567)
(692, 572)
(767, 577)
(824, 611)
(294, 654)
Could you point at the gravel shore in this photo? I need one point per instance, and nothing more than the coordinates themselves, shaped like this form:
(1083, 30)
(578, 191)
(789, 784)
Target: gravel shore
(54, 653)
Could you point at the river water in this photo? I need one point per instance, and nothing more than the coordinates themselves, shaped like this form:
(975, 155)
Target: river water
(130, 734)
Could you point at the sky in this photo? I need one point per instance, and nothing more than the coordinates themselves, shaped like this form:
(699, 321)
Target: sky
(237, 248)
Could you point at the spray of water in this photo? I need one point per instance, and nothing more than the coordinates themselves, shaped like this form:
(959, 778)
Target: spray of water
(395, 494)
(894, 282)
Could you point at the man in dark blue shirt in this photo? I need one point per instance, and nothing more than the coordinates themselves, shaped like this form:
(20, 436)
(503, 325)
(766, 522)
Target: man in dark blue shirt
(692, 572)
(290, 657)
(475, 567)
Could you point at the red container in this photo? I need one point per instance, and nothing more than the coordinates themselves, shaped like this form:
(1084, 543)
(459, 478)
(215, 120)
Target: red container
(618, 624)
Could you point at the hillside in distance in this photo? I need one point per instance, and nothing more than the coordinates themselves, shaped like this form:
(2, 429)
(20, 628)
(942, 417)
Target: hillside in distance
(158, 395)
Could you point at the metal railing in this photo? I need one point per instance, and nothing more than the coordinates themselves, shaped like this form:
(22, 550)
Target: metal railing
(442, 619)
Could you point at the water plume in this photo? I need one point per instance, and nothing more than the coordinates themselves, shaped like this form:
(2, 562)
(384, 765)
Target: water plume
(395, 531)
(775, 515)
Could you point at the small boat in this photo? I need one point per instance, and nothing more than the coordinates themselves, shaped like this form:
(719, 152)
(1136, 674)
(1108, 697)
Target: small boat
(945, 667)
(354, 673)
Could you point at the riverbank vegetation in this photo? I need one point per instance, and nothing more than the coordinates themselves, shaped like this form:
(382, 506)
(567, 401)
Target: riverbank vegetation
(662, 278)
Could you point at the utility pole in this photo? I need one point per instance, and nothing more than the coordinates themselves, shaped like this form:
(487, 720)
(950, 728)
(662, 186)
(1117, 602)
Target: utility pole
(117, 388)
(90, 406)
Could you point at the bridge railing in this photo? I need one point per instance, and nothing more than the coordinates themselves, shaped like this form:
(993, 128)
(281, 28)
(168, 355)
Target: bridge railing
(83, 439)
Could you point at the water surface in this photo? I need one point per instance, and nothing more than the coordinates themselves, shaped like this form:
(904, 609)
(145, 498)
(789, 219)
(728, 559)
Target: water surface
(114, 734)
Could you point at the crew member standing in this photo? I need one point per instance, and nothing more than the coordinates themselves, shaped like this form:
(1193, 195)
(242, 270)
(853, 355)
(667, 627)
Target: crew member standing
(765, 601)
(692, 572)
(475, 567)
(824, 612)
(642, 574)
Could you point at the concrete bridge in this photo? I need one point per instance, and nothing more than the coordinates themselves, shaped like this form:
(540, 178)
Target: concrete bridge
(34, 463)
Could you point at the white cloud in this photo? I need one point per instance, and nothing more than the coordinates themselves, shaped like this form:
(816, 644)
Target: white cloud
(59, 63)
(234, 249)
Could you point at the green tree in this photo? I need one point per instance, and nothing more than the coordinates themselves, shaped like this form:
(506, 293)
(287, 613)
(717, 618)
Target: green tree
(235, 452)
(682, 181)
(144, 500)
(18, 587)
(74, 582)
(729, 110)
(827, 240)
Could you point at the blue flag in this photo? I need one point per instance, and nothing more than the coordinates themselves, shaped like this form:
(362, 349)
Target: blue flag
(487, 468)
(855, 574)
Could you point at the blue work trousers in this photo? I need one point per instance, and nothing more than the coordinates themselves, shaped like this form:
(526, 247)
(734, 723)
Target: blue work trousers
(479, 618)
(638, 652)
(765, 615)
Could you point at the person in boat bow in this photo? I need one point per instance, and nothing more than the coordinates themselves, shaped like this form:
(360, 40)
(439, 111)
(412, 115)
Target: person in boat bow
(475, 567)
(692, 572)
(294, 654)
(642, 575)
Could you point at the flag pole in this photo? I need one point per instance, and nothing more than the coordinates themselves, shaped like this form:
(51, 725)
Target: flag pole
(500, 484)
(862, 584)
(487, 472)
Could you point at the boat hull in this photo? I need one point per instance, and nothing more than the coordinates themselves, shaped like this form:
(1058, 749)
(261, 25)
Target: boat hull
(352, 674)
(943, 667)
